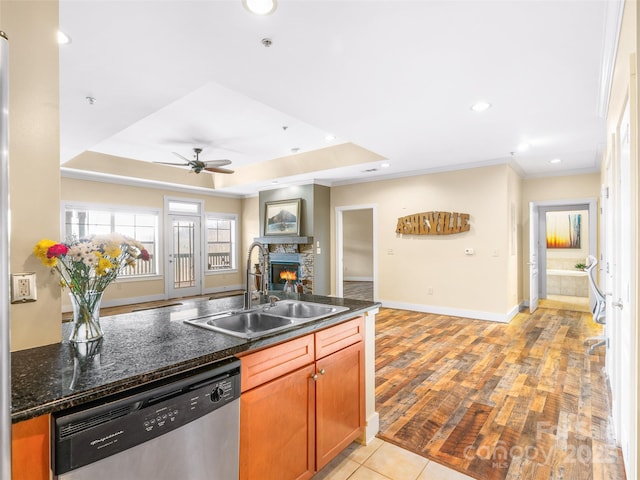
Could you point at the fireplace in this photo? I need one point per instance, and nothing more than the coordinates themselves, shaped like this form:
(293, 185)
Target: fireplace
(283, 271)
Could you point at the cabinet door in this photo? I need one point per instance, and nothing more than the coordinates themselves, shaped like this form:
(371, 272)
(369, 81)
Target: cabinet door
(30, 449)
(277, 428)
(340, 407)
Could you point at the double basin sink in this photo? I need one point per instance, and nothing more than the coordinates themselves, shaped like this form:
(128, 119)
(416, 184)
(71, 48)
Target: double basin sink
(267, 319)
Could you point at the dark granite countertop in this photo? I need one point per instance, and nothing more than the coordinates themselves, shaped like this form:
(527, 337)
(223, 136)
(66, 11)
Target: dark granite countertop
(139, 348)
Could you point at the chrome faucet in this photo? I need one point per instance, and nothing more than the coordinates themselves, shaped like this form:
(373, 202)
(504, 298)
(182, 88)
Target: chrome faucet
(264, 284)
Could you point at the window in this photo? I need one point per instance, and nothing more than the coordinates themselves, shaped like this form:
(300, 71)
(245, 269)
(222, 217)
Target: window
(221, 242)
(82, 221)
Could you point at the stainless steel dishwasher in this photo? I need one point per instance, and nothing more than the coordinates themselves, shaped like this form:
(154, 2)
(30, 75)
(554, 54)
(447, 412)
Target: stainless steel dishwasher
(188, 428)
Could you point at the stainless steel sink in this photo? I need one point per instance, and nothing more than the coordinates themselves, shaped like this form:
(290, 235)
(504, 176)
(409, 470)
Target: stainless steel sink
(248, 323)
(267, 319)
(298, 309)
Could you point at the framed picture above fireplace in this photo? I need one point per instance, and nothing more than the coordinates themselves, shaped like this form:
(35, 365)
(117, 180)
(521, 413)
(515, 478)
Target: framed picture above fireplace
(282, 217)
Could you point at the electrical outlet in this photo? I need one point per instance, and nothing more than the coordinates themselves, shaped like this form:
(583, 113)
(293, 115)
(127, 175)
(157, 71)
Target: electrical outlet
(23, 287)
(430, 291)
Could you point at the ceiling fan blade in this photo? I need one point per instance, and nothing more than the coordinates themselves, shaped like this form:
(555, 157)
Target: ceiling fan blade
(218, 170)
(217, 163)
(174, 164)
(183, 158)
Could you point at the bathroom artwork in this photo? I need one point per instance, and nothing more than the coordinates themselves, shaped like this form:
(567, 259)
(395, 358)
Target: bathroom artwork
(563, 229)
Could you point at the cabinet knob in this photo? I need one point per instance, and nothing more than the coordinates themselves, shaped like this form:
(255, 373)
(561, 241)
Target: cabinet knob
(314, 377)
(322, 371)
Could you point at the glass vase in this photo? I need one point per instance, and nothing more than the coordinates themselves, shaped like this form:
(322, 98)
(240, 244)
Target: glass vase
(86, 316)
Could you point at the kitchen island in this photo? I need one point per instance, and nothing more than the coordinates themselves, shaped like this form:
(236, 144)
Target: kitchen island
(149, 348)
(139, 348)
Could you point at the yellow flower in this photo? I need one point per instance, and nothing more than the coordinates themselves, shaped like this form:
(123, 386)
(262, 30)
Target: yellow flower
(103, 266)
(49, 262)
(112, 250)
(42, 248)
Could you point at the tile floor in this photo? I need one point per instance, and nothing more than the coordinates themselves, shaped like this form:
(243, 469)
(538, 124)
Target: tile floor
(381, 460)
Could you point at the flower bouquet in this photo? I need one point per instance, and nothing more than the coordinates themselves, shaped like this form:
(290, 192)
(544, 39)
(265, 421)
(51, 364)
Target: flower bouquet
(87, 266)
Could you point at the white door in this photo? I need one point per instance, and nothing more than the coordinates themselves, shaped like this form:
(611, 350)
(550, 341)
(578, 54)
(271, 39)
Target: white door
(626, 393)
(534, 294)
(184, 260)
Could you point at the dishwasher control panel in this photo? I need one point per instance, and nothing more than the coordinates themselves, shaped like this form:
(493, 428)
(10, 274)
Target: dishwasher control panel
(84, 436)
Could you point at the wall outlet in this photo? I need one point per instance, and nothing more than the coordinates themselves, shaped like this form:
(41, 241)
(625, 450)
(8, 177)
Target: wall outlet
(430, 291)
(23, 287)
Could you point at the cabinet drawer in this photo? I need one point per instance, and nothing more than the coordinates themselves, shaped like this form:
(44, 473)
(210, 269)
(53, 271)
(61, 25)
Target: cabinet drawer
(265, 365)
(338, 337)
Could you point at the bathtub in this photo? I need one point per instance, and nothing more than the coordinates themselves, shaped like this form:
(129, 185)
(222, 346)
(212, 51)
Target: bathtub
(574, 283)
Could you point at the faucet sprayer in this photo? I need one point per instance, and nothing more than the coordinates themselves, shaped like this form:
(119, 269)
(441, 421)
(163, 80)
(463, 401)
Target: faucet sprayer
(264, 283)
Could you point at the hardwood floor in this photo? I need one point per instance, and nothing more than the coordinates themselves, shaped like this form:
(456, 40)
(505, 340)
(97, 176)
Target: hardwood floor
(497, 401)
(358, 290)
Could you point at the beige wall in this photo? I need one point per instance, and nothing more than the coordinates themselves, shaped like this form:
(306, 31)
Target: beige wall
(514, 237)
(33, 159)
(408, 266)
(547, 189)
(111, 194)
(251, 229)
(358, 244)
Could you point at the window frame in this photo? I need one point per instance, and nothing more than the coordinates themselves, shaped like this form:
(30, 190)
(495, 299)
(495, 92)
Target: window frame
(233, 217)
(127, 210)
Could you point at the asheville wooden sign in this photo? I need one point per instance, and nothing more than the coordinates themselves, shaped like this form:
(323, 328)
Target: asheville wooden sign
(433, 223)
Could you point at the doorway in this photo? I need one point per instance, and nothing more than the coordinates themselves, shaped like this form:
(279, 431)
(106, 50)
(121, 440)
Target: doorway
(563, 235)
(183, 240)
(356, 265)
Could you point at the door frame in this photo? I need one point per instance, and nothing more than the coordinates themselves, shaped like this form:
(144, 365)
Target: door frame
(589, 203)
(340, 246)
(169, 215)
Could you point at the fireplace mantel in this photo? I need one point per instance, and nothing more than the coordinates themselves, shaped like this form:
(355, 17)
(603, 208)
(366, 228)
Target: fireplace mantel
(284, 239)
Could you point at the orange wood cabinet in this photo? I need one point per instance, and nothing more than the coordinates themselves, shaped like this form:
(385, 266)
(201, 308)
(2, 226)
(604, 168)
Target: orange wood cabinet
(30, 449)
(340, 414)
(296, 417)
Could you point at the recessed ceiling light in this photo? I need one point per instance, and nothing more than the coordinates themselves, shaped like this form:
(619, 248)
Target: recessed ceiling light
(555, 160)
(295, 149)
(330, 138)
(523, 146)
(384, 165)
(260, 7)
(480, 106)
(62, 38)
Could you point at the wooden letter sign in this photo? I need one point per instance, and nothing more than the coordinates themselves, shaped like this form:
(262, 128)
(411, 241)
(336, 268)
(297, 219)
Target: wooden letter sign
(434, 223)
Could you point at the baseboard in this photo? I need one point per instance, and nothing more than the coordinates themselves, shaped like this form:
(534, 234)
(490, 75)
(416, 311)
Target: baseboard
(358, 279)
(454, 312)
(225, 288)
(119, 302)
(371, 429)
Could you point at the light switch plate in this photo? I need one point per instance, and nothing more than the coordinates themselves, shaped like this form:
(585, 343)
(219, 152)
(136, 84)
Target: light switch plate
(23, 287)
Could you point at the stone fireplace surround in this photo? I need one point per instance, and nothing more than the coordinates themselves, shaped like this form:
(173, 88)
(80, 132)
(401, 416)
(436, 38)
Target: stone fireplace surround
(281, 251)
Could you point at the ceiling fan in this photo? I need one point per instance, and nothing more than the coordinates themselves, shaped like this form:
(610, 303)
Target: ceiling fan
(197, 165)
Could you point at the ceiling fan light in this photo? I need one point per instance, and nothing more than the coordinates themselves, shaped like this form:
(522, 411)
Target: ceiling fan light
(480, 106)
(260, 7)
(62, 38)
